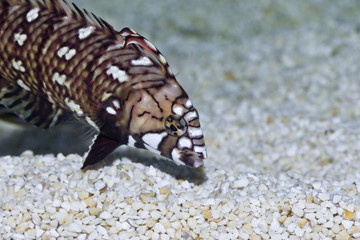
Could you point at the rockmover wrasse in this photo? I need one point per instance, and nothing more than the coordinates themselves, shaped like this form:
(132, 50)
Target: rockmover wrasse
(57, 61)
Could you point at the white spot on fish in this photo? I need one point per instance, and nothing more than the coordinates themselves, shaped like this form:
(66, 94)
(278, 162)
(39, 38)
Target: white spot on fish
(32, 14)
(178, 110)
(70, 54)
(199, 149)
(116, 46)
(184, 142)
(18, 65)
(117, 74)
(116, 104)
(190, 116)
(91, 123)
(20, 38)
(144, 61)
(188, 104)
(131, 141)
(59, 78)
(153, 139)
(162, 59)
(195, 132)
(62, 51)
(111, 110)
(85, 32)
(22, 84)
(73, 106)
(175, 155)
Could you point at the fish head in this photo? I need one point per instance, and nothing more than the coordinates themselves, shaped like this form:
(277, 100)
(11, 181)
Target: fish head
(155, 113)
(164, 121)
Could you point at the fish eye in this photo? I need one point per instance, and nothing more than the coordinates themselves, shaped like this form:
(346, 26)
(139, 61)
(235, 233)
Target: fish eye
(175, 125)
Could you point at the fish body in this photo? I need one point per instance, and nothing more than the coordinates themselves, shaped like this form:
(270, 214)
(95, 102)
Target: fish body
(57, 61)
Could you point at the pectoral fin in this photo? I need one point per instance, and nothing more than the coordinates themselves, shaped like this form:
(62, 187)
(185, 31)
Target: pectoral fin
(101, 147)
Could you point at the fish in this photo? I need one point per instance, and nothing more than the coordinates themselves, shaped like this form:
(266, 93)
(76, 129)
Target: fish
(59, 62)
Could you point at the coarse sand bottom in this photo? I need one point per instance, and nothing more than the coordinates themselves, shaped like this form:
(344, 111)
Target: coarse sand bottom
(277, 87)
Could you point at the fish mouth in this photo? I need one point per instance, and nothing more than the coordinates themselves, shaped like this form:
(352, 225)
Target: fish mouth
(192, 159)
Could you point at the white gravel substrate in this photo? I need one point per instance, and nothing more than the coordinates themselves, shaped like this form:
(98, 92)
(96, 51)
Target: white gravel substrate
(278, 90)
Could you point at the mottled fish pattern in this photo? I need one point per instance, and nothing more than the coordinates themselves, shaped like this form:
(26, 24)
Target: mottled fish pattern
(57, 61)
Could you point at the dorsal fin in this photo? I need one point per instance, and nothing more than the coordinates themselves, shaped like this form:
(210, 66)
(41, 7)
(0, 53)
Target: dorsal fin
(79, 13)
(91, 19)
(109, 27)
(62, 7)
(33, 109)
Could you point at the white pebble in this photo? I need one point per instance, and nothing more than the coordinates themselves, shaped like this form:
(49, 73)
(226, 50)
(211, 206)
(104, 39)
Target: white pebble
(292, 150)
(185, 184)
(54, 223)
(99, 185)
(317, 185)
(76, 206)
(93, 174)
(351, 207)
(275, 225)
(159, 228)
(30, 233)
(54, 233)
(75, 227)
(56, 203)
(347, 224)
(240, 183)
(209, 202)
(39, 232)
(81, 237)
(215, 214)
(93, 235)
(66, 206)
(105, 215)
(155, 215)
(39, 186)
(328, 224)
(151, 171)
(292, 226)
(126, 226)
(297, 211)
(324, 196)
(337, 198)
(299, 231)
(102, 230)
(36, 219)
